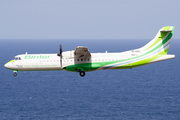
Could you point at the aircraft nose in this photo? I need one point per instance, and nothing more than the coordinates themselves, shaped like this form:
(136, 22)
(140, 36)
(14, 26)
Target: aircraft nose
(6, 65)
(10, 65)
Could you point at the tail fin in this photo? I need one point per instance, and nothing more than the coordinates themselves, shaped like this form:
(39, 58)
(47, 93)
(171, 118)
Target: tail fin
(161, 41)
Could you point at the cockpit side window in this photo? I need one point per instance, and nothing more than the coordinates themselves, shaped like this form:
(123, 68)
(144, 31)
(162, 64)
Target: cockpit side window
(17, 58)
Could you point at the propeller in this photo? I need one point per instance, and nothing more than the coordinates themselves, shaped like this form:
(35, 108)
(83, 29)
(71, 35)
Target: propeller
(60, 54)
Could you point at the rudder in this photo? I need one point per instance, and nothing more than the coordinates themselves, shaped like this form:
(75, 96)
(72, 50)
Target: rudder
(161, 41)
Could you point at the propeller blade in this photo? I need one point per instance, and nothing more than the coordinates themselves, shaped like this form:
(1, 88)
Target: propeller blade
(60, 54)
(60, 46)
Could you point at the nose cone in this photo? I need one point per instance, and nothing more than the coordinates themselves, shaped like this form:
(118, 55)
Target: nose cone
(9, 64)
(6, 65)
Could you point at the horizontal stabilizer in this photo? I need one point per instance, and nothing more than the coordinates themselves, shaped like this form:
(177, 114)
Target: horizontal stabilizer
(164, 57)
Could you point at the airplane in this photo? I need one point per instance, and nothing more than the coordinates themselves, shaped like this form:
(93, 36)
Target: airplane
(81, 60)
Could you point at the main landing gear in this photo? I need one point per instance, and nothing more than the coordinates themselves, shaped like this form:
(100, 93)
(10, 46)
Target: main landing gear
(81, 72)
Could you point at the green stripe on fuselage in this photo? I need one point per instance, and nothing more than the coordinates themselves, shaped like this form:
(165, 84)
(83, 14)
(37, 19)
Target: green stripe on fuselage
(85, 66)
(94, 66)
(11, 61)
(142, 62)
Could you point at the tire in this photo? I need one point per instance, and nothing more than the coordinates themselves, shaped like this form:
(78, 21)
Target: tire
(82, 73)
(15, 74)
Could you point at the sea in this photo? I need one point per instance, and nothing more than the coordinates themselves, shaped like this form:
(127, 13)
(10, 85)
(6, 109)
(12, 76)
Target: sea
(150, 92)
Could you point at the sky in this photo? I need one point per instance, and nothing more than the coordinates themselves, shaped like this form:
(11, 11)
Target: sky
(87, 19)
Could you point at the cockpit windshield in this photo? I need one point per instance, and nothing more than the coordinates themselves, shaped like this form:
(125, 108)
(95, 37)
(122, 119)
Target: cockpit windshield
(17, 58)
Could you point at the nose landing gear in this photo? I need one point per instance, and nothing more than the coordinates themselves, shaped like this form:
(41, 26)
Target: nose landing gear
(15, 74)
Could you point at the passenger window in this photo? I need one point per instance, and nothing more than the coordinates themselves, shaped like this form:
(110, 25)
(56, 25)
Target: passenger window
(77, 59)
(85, 59)
(19, 58)
(81, 59)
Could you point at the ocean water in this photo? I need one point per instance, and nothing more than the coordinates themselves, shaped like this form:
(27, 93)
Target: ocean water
(150, 92)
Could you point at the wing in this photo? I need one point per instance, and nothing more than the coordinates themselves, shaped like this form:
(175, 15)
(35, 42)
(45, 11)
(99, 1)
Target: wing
(81, 52)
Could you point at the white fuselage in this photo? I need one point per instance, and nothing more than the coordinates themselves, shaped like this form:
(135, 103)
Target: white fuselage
(52, 61)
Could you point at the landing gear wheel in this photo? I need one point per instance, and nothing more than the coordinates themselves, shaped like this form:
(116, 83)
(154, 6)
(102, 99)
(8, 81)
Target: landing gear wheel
(15, 74)
(82, 73)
